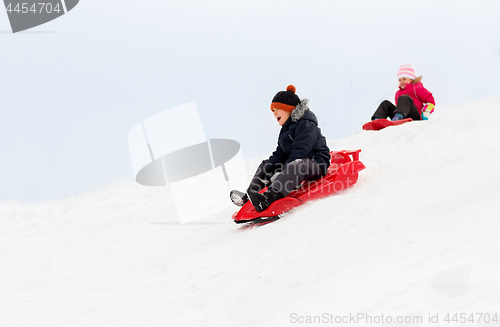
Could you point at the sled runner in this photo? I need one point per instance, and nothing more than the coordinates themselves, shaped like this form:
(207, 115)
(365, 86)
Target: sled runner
(342, 173)
(378, 124)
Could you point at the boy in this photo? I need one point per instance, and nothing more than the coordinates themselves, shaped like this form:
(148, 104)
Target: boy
(301, 155)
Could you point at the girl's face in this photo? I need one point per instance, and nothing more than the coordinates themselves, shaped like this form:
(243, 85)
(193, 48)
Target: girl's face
(281, 115)
(403, 81)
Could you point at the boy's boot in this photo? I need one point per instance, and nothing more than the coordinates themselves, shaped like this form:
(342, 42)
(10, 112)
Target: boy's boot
(238, 198)
(398, 116)
(262, 201)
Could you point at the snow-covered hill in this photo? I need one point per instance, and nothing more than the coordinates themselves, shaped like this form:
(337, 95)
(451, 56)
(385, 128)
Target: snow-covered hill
(418, 235)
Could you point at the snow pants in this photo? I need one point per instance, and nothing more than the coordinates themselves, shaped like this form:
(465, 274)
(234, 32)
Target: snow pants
(288, 178)
(405, 106)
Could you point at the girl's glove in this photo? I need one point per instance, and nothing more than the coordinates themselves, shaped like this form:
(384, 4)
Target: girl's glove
(427, 111)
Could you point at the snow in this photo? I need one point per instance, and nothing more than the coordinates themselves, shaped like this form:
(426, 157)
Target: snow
(416, 236)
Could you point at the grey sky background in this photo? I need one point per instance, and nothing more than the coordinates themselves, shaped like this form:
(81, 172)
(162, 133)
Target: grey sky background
(72, 89)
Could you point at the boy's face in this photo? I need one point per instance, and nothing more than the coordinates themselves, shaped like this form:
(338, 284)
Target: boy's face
(403, 81)
(281, 115)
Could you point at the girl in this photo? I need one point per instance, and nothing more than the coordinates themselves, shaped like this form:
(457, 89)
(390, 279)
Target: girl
(301, 155)
(412, 99)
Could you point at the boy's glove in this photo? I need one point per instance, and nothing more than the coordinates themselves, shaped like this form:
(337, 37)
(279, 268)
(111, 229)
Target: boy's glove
(427, 111)
(266, 172)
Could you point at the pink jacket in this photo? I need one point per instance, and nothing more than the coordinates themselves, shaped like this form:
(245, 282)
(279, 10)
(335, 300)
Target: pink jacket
(418, 93)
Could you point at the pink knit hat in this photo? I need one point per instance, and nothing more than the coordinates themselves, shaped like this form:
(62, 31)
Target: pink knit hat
(406, 71)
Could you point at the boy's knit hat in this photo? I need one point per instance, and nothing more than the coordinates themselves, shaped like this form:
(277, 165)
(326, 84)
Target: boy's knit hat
(285, 100)
(406, 71)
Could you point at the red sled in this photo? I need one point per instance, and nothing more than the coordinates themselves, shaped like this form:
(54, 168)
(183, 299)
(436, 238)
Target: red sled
(378, 124)
(342, 173)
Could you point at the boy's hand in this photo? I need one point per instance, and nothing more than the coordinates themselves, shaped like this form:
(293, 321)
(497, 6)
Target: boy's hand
(427, 111)
(267, 171)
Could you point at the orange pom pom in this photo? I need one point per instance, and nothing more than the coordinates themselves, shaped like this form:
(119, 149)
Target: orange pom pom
(290, 88)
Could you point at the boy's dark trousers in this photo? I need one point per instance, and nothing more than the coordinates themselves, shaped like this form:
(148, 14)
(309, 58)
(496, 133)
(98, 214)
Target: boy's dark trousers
(290, 176)
(405, 106)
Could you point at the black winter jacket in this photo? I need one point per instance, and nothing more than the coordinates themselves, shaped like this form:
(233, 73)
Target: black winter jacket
(301, 138)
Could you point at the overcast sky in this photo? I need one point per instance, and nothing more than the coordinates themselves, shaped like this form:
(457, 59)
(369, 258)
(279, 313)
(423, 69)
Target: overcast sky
(72, 89)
